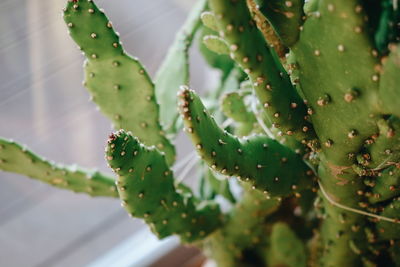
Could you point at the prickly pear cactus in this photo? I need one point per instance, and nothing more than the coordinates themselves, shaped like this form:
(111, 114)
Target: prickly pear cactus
(304, 124)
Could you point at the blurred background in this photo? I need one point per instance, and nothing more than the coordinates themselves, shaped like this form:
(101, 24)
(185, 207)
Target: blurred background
(44, 105)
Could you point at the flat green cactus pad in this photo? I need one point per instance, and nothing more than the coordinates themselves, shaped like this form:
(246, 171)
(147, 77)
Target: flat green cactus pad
(216, 44)
(340, 227)
(146, 187)
(390, 230)
(346, 81)
(384, 147)
(386, 185)
(174, 71)
(286, 248)
(233, 106)
(211, 186)
(389, 88)
(243, 230)
(388, 30)
(394, 251)
(305, 167)
(285, 17)
(209, 20)
(271, 83)
(119, 84)
(15, 158)
(270, 166)
(219, 61)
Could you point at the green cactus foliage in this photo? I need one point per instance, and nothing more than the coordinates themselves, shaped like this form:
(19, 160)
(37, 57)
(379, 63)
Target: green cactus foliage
(209, 20)
(394, 251)
(386, 185)
(299, 143)
(18, 159)
(388, 29)
(386, 230)
(271, 82)
(164, 207)
(383, 149)
(212, 185)
(119, 84)
(243, 231)
(216, 44)
(216, 59)
(285, 17)
(286, 248)
(233, 106)
(266, 164)
(346, 85)
(389, 88)
(341, 228)
(174, 71)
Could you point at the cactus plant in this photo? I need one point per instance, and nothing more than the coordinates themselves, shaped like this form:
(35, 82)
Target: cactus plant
(310, 91)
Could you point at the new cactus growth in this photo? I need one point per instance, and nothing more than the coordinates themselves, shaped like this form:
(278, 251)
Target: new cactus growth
(310, 93)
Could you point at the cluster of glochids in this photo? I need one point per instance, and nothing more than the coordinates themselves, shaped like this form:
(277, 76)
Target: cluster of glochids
(305, 117)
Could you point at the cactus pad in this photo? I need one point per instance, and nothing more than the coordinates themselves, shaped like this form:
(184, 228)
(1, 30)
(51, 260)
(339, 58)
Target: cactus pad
(389, 85)
(286, 248)
(146, 187)
(270, 166)
(16, 158)
(174, 71)
(119, 84)
(285, 16)
(271, 83)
